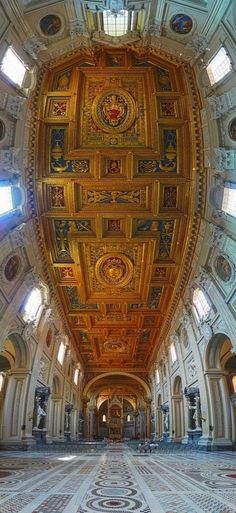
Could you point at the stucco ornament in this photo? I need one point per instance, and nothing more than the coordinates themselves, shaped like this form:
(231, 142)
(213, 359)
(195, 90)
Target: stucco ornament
(206, 331)
(217, 237)
(174, 338)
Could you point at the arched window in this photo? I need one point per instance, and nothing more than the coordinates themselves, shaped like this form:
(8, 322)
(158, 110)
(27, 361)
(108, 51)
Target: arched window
(229, 199)
(219, 66)
(2, 379)
(104, 418)
(157, 374)
(234, 383)
(13, 67)
(76, 376)
(173, 353)
(11, 197)
(61, 353)
(128, 418)
(115, 23)
(33, 304)
(201, 304)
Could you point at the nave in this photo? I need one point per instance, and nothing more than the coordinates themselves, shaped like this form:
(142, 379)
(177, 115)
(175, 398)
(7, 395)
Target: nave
(117, 479)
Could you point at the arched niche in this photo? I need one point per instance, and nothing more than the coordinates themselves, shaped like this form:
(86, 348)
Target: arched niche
(110, 375)
(159, 417)
(15, 356)
(177, 386)
(178, 411)
(217, 351)
(18, 351)
(56, 407)
(220, 362)
(56, 386)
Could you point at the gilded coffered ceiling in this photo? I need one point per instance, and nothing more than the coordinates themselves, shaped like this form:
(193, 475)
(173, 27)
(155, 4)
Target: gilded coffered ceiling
(117, 156)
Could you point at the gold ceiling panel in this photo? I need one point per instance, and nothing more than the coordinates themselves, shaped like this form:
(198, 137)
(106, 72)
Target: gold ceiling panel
(114, 270)
(115, 188)
(114, 111)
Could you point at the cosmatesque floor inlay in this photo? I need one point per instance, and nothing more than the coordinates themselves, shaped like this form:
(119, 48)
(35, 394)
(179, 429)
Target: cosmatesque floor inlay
(117, 481)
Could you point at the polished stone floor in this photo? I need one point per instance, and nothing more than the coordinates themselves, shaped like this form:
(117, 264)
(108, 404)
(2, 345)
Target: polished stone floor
(117, 480)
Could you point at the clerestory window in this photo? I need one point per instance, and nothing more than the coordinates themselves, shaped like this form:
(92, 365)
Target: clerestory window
(115, 24)
(173, 353)
(229, 200)
(219, 66)
(6, 199)
(13, 67)
(61, 353)
(32, 306)
(201, 304)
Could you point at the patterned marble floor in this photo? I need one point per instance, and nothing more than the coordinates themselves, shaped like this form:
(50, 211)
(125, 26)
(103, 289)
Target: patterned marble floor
(117, 480)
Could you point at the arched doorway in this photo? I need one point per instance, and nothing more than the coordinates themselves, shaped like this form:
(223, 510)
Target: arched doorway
(159, 417)
(116, 405)
(177, 405)
(56, 408)
(230, 370)
(15, 411)
(221, 371)
(5, 366)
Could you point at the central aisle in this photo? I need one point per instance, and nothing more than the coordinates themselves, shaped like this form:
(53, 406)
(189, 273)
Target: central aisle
(117, 486)
(127, 482)
(117, 480)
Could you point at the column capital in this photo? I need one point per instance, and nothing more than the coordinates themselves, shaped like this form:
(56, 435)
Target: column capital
(33, 46)
(199, 44)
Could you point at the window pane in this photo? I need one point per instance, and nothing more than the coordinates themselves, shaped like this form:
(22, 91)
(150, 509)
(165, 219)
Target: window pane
(234, 383)
(6, 204)
(173, 353)
(201, 303)
(76, 375)
(1, 381)
(33, 304)
(157, 376)
(219, 66)
(61, 353)
(115, 24)
(13, 67)
(229, 201)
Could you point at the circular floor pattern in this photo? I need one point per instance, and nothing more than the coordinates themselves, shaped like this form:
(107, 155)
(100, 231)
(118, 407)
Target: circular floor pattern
(221, 485)
(114, 475)
(8, 483)
(116, 504)
(113, 482)
(114, 492)
(5, 473)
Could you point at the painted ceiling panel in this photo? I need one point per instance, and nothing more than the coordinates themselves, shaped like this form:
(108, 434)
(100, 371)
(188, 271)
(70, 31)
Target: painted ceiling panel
(115, 190)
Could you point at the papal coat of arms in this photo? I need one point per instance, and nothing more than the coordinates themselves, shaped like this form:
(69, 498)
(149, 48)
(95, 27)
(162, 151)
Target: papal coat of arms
(114, 110)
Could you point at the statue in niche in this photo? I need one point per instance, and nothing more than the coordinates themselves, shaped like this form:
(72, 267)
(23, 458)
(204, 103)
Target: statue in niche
(166, 420)
(40, 407)
(40, 414)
